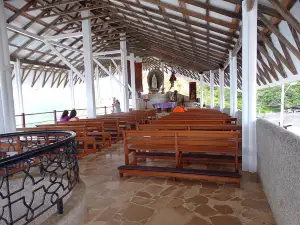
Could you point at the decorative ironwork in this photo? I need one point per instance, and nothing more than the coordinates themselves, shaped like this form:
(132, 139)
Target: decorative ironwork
(37, 171)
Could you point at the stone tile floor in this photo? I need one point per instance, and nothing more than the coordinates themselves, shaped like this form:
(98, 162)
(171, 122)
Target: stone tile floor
(142, 200)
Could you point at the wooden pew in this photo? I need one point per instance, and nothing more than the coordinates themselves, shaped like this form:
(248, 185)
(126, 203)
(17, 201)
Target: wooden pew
(94, 128)
(196, 121)
(113, 126)
(85, 144)
(213, 127)
(181, 143)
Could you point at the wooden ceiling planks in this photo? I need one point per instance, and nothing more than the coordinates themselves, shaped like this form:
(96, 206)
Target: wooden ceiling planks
(190, 40)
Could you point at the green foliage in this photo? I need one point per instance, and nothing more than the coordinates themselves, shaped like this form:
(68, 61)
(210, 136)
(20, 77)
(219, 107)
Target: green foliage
(270, 98)
(206, 93)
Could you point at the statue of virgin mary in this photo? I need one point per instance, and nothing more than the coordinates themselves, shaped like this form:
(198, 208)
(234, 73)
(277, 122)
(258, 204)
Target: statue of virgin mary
(154, 82)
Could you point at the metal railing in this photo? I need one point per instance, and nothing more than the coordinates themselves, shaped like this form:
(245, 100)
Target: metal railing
(52, 117)
(38, 170)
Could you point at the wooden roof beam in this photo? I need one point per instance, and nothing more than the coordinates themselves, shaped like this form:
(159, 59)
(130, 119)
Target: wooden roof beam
(215, 9)
(194, 14)
(39, 63)
(290, 19)
(217, 30)
(55, 4)
(196, 33)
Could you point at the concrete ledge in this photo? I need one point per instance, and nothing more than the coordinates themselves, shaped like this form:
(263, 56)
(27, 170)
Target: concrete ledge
(75, 209)
(279, 170)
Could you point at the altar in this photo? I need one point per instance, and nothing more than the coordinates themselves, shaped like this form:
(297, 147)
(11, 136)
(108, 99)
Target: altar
(154, 99)
(167, 105)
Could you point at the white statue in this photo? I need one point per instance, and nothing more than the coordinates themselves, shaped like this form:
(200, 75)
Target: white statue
(154, 82)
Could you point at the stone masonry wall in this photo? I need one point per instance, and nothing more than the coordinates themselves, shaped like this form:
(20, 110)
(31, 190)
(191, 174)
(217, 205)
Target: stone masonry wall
(279, 170)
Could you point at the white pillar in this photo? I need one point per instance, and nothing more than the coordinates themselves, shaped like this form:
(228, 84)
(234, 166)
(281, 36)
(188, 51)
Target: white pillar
(111, 82)
(201, 91)
(132, 76)
(98, 87)
(221, 77)
(88, 65)
(18, 76)
(8, 121)
(2, 124)
(212, 93)
(249, 69)
(162, 65)
(70, 74)
(233, 85)
(124, 71)
(282, 105)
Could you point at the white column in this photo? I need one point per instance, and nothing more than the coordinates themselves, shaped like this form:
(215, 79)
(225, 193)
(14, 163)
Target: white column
(8, 121)
(98, 87)
(201, 91)
(124, 72)
(162, 65)
(88, 65)
(233, 85)
(111, 82)
(282, 105)
(18, 76)
(249, 69)
(212, 94)
(222, 101)
(2, 124)
(70, 74)
(132, 76)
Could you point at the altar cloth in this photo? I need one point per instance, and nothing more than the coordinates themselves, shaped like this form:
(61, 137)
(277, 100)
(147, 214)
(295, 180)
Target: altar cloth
(166, 105)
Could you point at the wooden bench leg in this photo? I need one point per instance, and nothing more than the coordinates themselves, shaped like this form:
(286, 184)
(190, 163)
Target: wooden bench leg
(121, 174)
(134, 158)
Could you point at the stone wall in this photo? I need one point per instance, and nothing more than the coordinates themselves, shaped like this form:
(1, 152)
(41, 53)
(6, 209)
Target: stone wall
(279, 170)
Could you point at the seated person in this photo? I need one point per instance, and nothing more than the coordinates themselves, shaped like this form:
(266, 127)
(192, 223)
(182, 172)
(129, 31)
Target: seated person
(64, 116)
(178, 109)
(73, 116)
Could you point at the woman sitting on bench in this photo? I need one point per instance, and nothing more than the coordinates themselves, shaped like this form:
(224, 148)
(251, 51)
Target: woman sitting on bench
(73, 116)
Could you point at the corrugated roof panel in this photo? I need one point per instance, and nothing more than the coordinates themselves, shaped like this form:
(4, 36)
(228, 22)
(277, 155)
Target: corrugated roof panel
(132, 18)
(149, 4)
(117, 2)
(35, 56)
(195, 9)
(218, 34)
(17, 3)
(34, 44)
(11, 49)
(174, 12)
(8, 13)
(155, 14)
(23, 53)
(20, 21)
(179, 22)
(171, 2)
(19, 40)
(220, 17)
(219, 26)
(136, 8)
(198, 28)
(197, 20)
(224, 5)
(49, 19)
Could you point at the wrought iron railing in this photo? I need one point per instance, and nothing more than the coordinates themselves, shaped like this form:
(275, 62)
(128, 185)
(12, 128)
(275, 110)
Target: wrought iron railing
(38, 170)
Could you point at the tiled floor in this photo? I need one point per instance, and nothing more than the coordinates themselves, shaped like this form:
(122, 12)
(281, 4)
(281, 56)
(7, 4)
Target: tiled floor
(134, 200)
